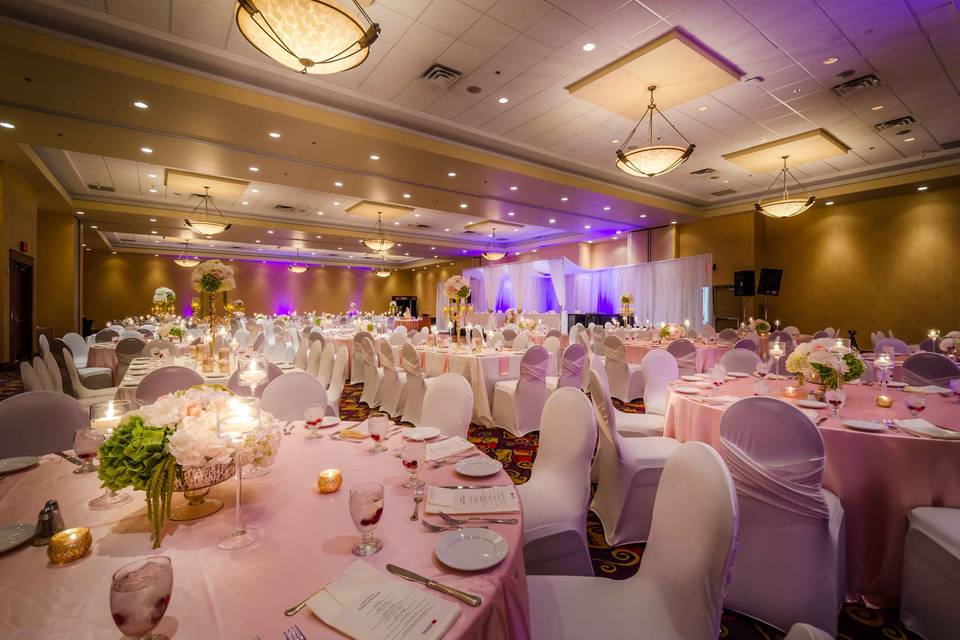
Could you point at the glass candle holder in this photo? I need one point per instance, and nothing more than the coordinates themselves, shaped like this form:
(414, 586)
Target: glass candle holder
(329, 481)
(105, 416)
(235, 419)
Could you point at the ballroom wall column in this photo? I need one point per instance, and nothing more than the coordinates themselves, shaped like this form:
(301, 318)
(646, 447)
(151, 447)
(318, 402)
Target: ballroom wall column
(18, 223)
(58, 272)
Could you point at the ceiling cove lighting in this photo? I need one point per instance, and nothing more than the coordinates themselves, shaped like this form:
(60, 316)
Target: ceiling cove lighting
(297, 266)
(204, 224)
(785, 206)
(184, 260)
(379, 244)
(653, 159)
(309, 36)
(492, 252)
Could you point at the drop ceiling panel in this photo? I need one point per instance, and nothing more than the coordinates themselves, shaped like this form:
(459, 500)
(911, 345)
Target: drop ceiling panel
(801, 149)
(370, 210)
(224, 190)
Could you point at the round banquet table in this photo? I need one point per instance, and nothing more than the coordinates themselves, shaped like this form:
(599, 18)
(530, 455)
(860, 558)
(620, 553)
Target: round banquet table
(879, 477)
(707, 354)
(104, 354)
(241, 594)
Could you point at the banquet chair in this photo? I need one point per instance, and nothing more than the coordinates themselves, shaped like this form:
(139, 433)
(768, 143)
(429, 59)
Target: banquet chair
(931, 573)
(145, 333)
(85, 395)
(78, 347)
(801, 631)
(620, 332)
(288, 396)
(417, 385)
(393, 387)
(597, 334)
(677, 592)
(233, 383)
(727, 335)
(313, 360)
(53, 368)
(608, 326)
(300, 359)
(685, 353)
(782, 335)
(325, 365)
(397, 338)
(899, 346)
(43, 343)
(92, 377)
(831, 332)
(131, 333)
(164, 380)
(521, 343)
(372, 374)
(555, 333)
(791, 557)
(745, 343)
(659, 369)
(356, 364)
(931, 345)
(740, 360)
(242, 336)
(418, 338)
(116, 327)
(40, 368)
(127, 350)
(30, 377)
(448, 405)
(338, 378)
(625, 379)
(259, 343)
(106, 335)
(400, 330)
(36, 423)
(571, 368)
(792, 330)
(929, 368)
(159, 345)
(517, 404)
(509, 335)
(627, 471)
(557, 495)
(552, 345)
(575, 333)
(708, 331)
(316, 335)
(819, 335)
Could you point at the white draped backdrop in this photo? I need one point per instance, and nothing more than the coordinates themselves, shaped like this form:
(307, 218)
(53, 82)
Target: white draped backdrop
(663, 291)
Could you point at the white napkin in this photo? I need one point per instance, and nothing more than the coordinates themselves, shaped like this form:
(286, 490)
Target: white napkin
(496, 499)
(719, 399)
(921, 427)
(363, 603)
(447, 448)
(930, 388)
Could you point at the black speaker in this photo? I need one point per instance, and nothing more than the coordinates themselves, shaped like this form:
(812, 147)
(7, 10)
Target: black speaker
(743, 283)
(769, 284)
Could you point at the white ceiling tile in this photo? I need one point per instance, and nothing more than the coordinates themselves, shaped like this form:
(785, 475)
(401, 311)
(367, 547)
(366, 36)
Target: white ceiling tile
(406, 62)
(664, 8)
(463, 57)
(201, 17)
(499, 70)
(592, 11)
(205, 36)
(489, 34)
(409, 8)
(626, 22)
(481, 5)
(702, 15)
(154, 7)
(149, 19)
(384, 83)
(451, 17)
(519, 14)
(393, 24)
(425, 40)
(556, 29)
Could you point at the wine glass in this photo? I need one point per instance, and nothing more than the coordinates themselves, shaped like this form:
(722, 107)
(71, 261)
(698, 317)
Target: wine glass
(313, 415)
(377, 426)
(835, 398)
(366, 509)
(717, 377)
(916, 402)
(413, 455)
(762, 369)
(86, 444)
(139, 595)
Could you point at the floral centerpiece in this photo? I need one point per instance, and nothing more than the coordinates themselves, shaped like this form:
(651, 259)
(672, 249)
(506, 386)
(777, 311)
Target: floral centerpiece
(950, 344)
(392, 309)
(208, 279)
(528, 324)
(762, 327)
(173, 445)
(626, 305)
(457, 290)
(178, 332)
(163, 300)
(814, 362)
(510, 316)
(352, 310)
(672, 331)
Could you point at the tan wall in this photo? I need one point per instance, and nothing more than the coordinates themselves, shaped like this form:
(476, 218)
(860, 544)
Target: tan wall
(18, 222)
(56, 272)
(423, 283)
(729, 238)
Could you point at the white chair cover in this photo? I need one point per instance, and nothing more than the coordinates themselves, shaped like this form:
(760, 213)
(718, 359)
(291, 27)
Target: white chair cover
(313, 359)
(288, 396)
(394, 384)
(931, 573)
(685, 353)
(448, 405)
(659, 369)
(164, 380)
(517, 405)
(899, 346)
(552, 345)
(793, 331)
(745, 343)
(242, 336)
(36, 423)
(802, 631)
(416, 385)
(357, 368)
(509, 335)
(727, 335)
(740, 360)
(300, 359)
(85, 395)
(556, 497)
(43, 343)
(325, 367)
(521, 342)
(78, 347)
(397, 338)
(40, 368)
(54, 370)
(571, 366)
(31, 380)
(626, 380)
(338, 378)
(372, 374)
(128, 349)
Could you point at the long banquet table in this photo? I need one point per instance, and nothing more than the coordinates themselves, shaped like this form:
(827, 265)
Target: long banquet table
(879, 477)
(240, 594)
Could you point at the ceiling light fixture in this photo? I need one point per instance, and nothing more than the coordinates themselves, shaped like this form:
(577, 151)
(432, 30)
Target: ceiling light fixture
(297, 266)
(785, 206)
(513, 188)
(254, 169)
(829, 203)
(204, 224)
(451, 174)
(876, 107)
(183, 259)
(7, 125)
(146, 149)
(406, 195)
(463, 205)
(493, 252)
(309, 36)
(922, 188)
(653, 159)
(379, 244)
(140, 104)
(588, 47)
(374, 157)
(503, 99)
(831, 60)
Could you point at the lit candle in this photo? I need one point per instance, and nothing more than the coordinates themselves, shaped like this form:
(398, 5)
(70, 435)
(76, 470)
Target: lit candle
(238, 416)
(933, 334)
(329, 481)
(686, 322)
(109, 419)
(776, 323)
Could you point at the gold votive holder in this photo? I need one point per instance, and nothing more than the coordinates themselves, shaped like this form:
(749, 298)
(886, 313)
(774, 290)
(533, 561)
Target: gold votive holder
(207, 365)
(793, 391)
(223, 366)
(223, 353)
(69, 545)
(329, 481)
(884, 401)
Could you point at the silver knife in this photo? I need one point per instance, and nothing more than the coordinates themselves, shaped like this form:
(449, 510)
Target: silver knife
(472, 486)
(69, 458)
(473, 601)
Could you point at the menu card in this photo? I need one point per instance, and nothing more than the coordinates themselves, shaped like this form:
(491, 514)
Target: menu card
(446, 448)
(495, 499)
(921, 427)
(365, 604)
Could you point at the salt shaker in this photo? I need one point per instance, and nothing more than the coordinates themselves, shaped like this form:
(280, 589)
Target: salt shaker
(49, 522)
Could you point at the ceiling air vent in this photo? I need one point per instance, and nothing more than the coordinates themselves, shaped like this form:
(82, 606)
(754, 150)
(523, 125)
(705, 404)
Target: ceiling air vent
(857, 84)
(896, 123)
(420, 226)
(100, 187)
(703, 172)
(283, 207)
(724, 192)
(952, 144)
(469, 231)
(441, 77)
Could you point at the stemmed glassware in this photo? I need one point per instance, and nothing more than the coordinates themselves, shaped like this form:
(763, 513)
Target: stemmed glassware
(253, 372)
(139, 595)
(313, 415)
(717, 377)
(104, 416)
(413, 455)
(366, 509)
(86, 444)
(882, 364)
(835, 398)
(377, 426)
(235, 419)
(916, 402)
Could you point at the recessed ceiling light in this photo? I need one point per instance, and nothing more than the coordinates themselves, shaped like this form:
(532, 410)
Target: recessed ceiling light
(339, 248)
(255, 190)
(589, 241)
(336, 203)
(318, 237)
(274, 134)
(510, 213)
(93, 226)
(396, 224)
(153, 219)
(254, 169)
(451, 174)
(151, 175)
(702, 108)
(673, 222)
(156, 255)
(643, 215)
(503, 99)
(463, 205)
(588, 47)
(146, 149)
(406, 254)
(514, 188)
(606, 208)
(433, 248)
(257, 241)
(876, 107)
(80, 213)
(84, 244)
(406, 195)
(374, 157)
(564, 198)
(463, 251)
(319, 213)
(911, 139)
(921, 188)
(447, 229)
(7, 125)
(244, 202)
(618, 232)
(829, 203)
(270, 231)
(151, 190)
(831, 60)
(153, 231)
(586, 226)
(140, 104)
(615, 141)
(114, 252)
(209, 237)
(552, 220)
(416, 215)
(796, 90)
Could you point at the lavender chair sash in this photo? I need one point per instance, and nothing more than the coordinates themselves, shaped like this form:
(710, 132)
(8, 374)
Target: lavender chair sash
(571, 371)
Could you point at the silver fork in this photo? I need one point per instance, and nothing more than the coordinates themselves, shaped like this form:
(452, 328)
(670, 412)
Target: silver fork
(417, 499)
(463, 521)
(294, 633)
(453, 460)
(436, 528)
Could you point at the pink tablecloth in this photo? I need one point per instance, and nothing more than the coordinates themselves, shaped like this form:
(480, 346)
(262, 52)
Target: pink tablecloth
(240, 594)
(538, 338)
(707, 355)
(105, 355)
(879, 478)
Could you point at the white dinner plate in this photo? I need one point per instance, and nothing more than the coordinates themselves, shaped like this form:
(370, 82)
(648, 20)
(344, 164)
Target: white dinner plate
(471, 549)
(738, 374)
(865, 425)
(685, 389)
(14, 535)
(420, 433)
(9, 465)
(897, 385)
(329, 421)
(284, 366)
(691, 378)
(812, 404)
(810, 413)
(478, 467)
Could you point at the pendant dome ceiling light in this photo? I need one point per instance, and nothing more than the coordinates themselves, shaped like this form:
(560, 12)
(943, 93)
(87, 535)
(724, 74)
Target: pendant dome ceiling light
(186, 261)
(204, 224)
(382, 271)
(493, 252)
(309, 36)
(380, 243)
(297, 266)
(653, 159)
(785, 206)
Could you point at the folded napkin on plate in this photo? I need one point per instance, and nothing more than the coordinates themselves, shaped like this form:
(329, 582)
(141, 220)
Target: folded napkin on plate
(356, 432)
(719, 399)
(495, 499)
(930, 388)
(921, 427)
(446, 448)
(366, 604)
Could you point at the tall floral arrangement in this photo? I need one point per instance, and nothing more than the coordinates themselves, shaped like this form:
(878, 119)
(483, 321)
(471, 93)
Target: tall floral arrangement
(626, 306)
(457, 290)
(762, 327)
(814, 362)
(163, 301)
(212, 277)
